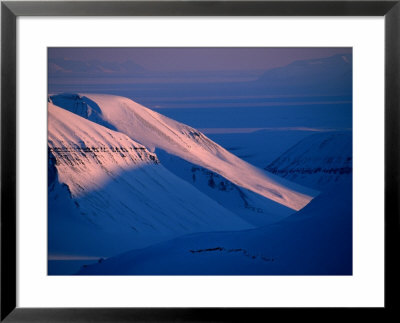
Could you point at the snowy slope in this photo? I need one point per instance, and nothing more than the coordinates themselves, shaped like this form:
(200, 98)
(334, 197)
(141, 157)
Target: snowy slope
(154, 130)
(317, 161)
(315, 241)
(250, 206)
(110, 183)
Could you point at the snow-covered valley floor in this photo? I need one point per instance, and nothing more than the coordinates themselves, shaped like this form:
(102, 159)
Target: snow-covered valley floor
(315, 241)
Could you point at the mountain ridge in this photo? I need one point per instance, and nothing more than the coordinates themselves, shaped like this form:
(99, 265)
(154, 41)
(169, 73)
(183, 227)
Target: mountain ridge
(154, 130)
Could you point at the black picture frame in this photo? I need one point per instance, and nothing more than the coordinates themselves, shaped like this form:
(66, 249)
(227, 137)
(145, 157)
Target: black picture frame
(10, 10)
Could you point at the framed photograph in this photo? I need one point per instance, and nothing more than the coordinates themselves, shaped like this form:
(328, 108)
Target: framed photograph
(198, 161)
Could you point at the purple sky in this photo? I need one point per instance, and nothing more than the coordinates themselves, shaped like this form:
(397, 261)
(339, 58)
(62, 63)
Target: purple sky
(199, 59)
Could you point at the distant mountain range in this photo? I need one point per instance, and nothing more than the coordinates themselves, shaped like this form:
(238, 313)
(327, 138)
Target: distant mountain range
(325, 75)
(72, 68)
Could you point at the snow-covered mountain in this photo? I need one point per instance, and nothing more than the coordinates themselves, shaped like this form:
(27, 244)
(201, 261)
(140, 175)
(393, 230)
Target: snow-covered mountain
(317, 161)
(315, 241)
(109, 193)
(154, 130)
